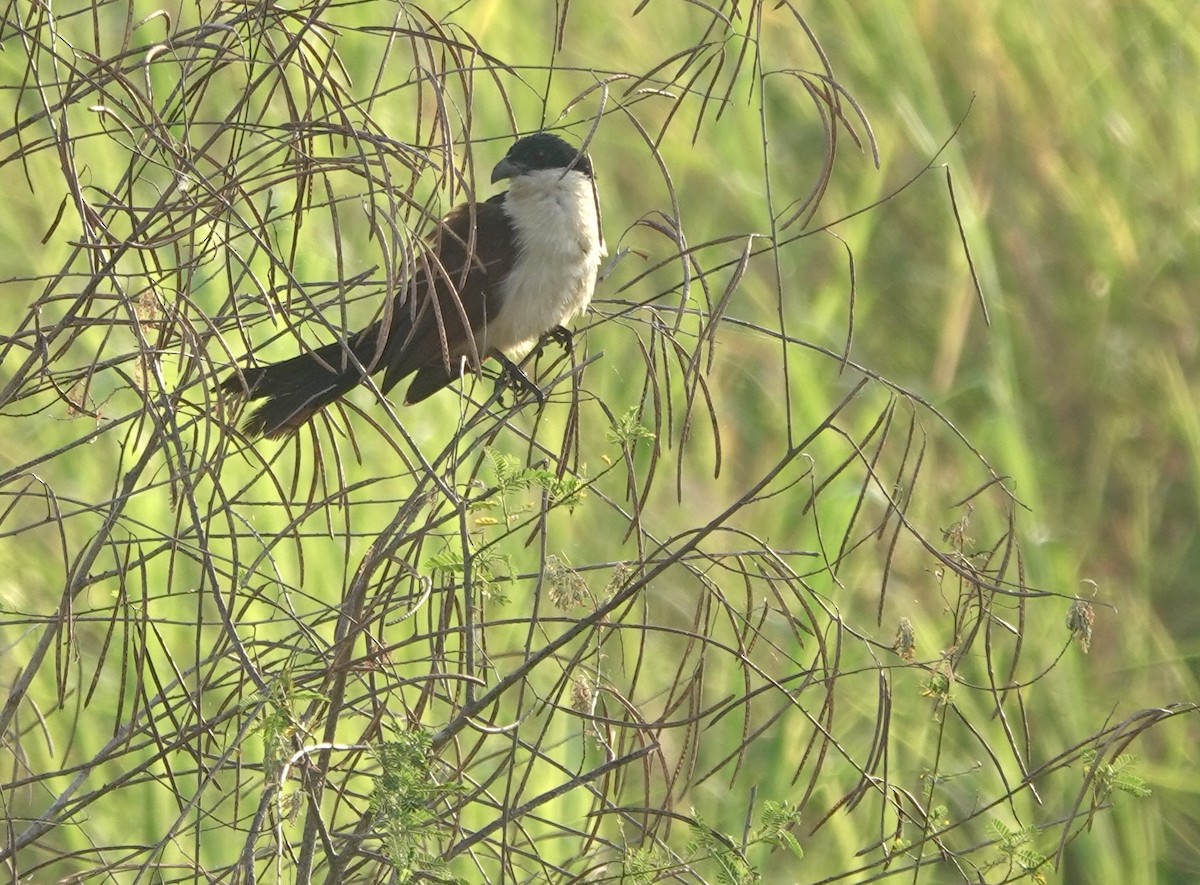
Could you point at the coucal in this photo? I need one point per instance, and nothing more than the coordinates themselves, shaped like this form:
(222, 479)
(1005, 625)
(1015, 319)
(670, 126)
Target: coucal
(499, 277)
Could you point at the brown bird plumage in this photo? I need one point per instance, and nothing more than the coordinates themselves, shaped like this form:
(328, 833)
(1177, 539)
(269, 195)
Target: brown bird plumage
(536, 246)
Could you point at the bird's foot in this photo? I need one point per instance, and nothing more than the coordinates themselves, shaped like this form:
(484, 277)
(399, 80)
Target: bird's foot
(562, 336)
(512, 378)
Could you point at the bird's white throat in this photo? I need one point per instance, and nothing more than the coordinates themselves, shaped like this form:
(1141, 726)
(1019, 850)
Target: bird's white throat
(558, 255)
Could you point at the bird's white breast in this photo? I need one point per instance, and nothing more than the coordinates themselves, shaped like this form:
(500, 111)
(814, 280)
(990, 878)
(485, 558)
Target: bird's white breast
(558, 254)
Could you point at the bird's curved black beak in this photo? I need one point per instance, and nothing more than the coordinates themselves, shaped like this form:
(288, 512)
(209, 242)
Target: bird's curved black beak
(506, 168)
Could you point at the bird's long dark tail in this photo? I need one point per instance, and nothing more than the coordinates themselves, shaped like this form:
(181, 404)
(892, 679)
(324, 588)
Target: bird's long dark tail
(298, 388)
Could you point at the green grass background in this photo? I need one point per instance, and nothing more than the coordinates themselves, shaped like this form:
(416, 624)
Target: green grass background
(1076, 171)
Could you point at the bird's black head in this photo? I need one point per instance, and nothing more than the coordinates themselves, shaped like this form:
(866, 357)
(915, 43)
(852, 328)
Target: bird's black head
(542, 150)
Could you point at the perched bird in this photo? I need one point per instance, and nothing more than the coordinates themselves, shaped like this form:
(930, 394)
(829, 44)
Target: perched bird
(501, 276)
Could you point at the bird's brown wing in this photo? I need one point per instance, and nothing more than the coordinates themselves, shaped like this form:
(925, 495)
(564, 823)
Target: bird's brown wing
(468, 258)
(428, 335)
